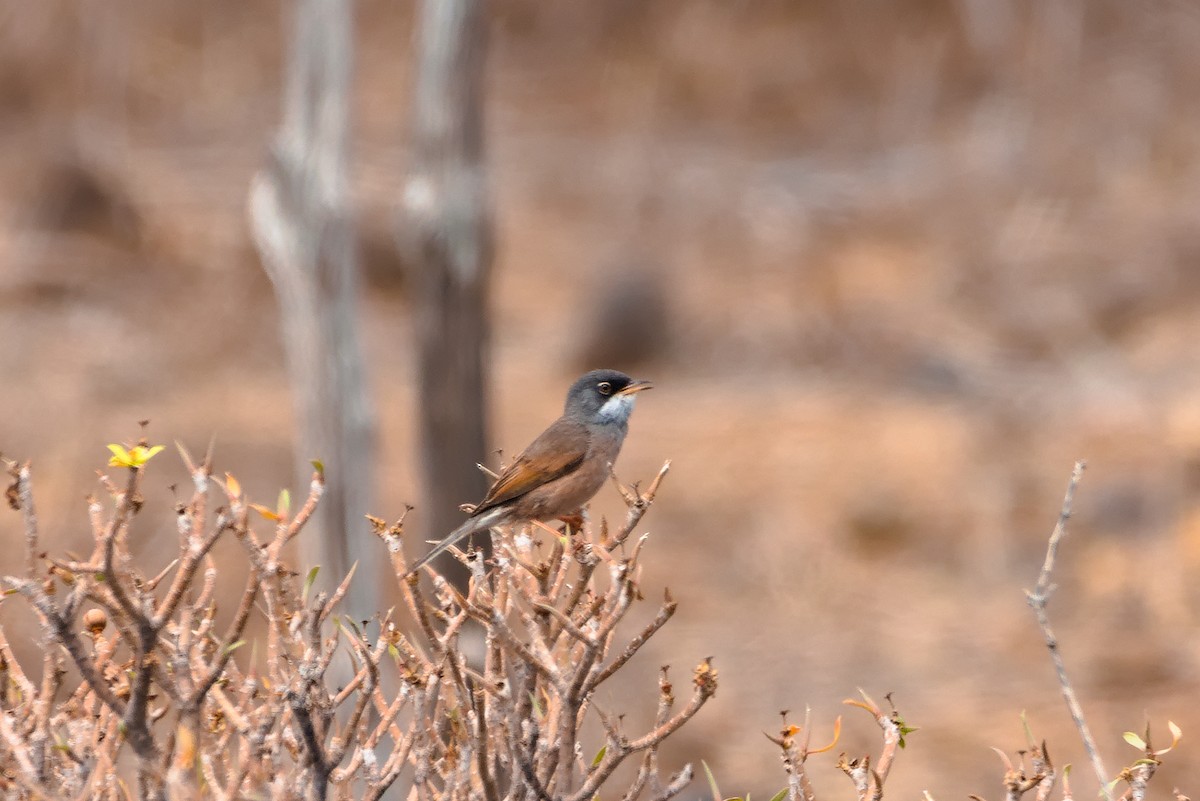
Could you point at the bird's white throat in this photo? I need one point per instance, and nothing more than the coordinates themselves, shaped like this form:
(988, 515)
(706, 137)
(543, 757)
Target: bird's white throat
(617, 408)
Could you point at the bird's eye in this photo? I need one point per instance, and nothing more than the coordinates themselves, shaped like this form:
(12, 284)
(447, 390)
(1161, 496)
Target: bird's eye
(604, 387)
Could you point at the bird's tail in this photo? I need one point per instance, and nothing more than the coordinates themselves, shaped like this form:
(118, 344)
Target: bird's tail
(473, 524)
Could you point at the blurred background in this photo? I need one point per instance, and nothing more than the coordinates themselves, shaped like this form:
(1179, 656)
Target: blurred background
(893, 267)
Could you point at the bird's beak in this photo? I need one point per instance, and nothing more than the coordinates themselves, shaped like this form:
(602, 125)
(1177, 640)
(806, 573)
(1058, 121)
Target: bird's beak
(635, 386)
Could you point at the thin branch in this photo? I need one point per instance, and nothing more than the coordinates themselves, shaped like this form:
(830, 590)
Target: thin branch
(29, 513)
(1037, 598)
(664, 614)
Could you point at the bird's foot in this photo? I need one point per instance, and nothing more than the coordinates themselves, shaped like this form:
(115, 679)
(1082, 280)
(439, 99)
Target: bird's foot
(574, 522)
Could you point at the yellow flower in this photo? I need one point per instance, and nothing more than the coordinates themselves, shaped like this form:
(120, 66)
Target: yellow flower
(134, 457)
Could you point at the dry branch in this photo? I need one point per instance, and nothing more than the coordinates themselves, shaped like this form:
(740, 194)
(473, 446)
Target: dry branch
(1038, 597)
(163, 678)
(1019, 778)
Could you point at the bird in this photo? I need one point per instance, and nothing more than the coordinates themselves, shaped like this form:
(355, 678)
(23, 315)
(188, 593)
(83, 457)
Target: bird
(565, 466)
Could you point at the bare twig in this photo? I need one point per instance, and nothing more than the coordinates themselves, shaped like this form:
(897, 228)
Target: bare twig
(1038, 598)
(514, 727)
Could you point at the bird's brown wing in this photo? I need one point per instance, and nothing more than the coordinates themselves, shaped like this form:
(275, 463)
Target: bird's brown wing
(557, 451)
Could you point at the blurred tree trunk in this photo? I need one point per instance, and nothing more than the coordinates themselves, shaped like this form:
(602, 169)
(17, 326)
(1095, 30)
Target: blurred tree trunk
(302, 220)
(445, 235)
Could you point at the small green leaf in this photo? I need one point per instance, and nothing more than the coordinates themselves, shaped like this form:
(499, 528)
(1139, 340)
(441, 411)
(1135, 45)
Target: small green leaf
(101, 578)
(782, 794)
(284, 504)
(309, 579)
(319, 466)
(233, 646)
(905, 729)
(599, 756)
(1134, 740)
(394, 651)
(712, 781)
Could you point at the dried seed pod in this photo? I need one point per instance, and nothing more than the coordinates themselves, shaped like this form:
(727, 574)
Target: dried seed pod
(96, 621)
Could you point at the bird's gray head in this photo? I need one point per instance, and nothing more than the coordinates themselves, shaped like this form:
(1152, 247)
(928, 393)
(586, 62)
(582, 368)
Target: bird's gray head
(603, 396)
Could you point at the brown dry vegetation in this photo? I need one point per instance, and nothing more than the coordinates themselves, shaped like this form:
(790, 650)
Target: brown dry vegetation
(916, 258)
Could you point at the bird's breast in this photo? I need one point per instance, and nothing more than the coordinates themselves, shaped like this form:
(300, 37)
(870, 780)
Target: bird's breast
(569, 493)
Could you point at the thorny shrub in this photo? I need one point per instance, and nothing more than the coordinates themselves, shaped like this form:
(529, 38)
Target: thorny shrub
(164, 697)
(163, 687)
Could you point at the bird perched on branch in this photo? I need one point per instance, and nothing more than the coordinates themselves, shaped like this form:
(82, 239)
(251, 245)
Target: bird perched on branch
(565, 466)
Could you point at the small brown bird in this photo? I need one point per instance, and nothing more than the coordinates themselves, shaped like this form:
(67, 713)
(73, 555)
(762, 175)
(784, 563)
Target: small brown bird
(565, 466)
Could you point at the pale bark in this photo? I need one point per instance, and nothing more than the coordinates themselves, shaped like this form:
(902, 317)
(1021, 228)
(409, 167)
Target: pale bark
(446, 235)
(303, 224)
